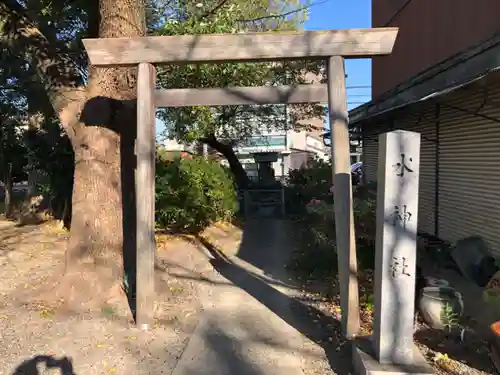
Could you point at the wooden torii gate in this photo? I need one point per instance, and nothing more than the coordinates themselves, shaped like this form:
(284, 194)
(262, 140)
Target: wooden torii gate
(331, 45)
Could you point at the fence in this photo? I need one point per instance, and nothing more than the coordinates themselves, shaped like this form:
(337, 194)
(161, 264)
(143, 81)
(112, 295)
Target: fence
(263, 202)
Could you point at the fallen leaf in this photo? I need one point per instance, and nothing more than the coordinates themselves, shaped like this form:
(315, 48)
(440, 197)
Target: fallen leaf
(46, 314)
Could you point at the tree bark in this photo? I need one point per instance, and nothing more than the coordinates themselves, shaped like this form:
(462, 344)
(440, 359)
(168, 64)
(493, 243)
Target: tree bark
(6, 170)
(104, 144)
(35, 120)
(8, 190)
(240, 176)
(100, 122)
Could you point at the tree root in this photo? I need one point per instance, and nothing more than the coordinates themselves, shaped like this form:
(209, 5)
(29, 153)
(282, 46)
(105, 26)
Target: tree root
(86, 291)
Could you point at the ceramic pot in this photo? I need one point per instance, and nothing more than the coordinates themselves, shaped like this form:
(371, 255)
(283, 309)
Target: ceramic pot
(433, 281)
(440, 306)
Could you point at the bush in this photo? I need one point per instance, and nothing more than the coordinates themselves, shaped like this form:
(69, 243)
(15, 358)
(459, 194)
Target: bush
(309, 182)
(317, 256)
(192, 193)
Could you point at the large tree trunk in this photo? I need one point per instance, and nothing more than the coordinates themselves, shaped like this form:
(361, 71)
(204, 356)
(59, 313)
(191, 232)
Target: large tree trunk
(240, 175)
(100, 122)
(103, 144)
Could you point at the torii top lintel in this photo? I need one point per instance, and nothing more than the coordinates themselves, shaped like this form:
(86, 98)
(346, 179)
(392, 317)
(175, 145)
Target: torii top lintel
(350, 43)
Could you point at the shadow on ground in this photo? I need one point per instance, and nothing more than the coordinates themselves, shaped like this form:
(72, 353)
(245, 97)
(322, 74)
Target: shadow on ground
(228, 353)
(258, 247)
(39, 365)
(265, 246)
(472, 351)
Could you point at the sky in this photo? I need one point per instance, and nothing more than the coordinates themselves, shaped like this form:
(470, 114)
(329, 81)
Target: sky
(346, 14)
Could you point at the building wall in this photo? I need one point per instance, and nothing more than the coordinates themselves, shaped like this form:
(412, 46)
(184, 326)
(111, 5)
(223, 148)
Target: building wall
(299, 159)
(174, 145)
(430, 31)
(297, 140)
(460, 154)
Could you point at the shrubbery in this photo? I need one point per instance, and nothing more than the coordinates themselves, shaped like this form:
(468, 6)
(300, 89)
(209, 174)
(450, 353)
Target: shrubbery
(191, 193)
(309, 182)
(317, 255)
(310, 189)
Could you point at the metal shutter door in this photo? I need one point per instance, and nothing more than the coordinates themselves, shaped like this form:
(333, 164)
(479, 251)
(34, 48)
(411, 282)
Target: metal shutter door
(469, 179)
(424, 122)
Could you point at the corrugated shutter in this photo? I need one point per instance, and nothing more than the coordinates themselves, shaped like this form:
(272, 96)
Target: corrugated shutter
(370, 150)
(370, 156)
(469, 179)
(423, 121)
(469, 164)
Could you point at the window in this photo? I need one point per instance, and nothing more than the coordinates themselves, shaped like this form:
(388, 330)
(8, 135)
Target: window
(266, 141)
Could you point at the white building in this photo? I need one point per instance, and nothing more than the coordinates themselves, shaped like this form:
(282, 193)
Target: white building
(174, 145)
(293, 150)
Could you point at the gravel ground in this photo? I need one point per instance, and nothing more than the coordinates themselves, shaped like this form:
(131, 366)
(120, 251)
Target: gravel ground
(37, 336)
(445, 352)
(259, 316)
(36, 339)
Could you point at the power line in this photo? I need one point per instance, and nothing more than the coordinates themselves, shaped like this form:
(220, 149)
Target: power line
(398, 12)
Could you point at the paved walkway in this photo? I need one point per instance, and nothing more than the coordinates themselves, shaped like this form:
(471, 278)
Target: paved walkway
(251, 325)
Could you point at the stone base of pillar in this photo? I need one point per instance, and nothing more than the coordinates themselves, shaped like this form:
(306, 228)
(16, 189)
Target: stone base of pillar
(365, 363)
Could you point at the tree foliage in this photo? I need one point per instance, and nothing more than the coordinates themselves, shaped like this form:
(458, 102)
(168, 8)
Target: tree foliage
(233, 123)
(12, 148)
(21, 89)
(224, 127)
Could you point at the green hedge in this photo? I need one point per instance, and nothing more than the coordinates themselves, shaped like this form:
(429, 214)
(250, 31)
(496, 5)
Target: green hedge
(192, 193)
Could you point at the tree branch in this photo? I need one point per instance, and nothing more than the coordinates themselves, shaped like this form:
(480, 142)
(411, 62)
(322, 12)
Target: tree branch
(278, 15)
(213, 10)
(59, 74)
(94, 17)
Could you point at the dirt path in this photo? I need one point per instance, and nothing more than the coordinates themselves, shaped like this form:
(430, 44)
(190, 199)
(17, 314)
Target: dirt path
(98, 343)
(253, 321)
(217, 314)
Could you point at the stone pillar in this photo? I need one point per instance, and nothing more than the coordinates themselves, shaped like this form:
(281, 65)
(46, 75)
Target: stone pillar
(391, 348)
(396, 246)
